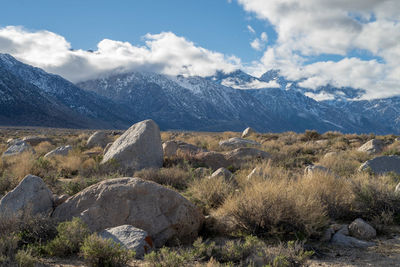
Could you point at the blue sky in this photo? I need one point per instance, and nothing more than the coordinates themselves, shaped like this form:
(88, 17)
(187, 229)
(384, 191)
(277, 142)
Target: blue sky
(343, 43)
(213, 24)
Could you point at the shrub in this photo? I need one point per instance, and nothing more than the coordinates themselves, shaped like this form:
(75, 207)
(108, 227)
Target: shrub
(310, 135)
(166, 257)
(8, 248)
(69, 239)
(275, 207)
(175, 177)
(104, 252)
(24, 258)
(210, 193)
(374, 195)
(335, 194)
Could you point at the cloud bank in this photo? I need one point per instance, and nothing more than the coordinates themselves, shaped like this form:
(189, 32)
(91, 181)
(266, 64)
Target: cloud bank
(162, 53)
(310, 28)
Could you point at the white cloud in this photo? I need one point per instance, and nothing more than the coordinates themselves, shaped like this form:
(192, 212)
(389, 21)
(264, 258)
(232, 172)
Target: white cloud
(163, 53)
(317, 27)
(256, 44)
(254, 84)
(259, 43)
(251, 30)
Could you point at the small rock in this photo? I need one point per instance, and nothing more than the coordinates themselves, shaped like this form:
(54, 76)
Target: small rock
(344, 230)
(312, 169)
(348, 241)
(170, 148)
(323, 142)
(30, 197)
(59, 151)
(35, 140)
(222, 172)
(18, 147)
(362, 230)
(382, 164)
(247, 132)
(373, 146)
(212, 159)
(201, 172)
(190, 149)
(326, 237)
(331, 155)
(130, 237)
(239, 156)
(256, 172)
(236, 142)
(98, 138)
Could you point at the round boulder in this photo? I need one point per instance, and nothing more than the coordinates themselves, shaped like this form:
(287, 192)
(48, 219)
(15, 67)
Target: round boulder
(362, 230)
(383, 164)
(30, 197)
(247, 132)
(170, 148)
(138, 148)
(129, 237)
(373, 146)
(99, 138)
(163, 213)
(236, 142)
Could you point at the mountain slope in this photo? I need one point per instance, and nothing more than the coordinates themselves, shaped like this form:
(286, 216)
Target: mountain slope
(196, 103)
(80, 108)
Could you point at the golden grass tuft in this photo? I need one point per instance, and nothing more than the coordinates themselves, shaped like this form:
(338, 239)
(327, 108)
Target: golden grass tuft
(43, 148)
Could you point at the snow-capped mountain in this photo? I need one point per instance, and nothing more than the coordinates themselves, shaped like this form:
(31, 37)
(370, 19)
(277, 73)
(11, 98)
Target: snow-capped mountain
(25, 86)
(225, 101)
(197, 103)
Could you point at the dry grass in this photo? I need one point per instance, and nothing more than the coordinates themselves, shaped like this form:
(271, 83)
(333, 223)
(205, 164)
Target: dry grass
(275, 207)
(44, 147)
(210, 193)
(174, 176)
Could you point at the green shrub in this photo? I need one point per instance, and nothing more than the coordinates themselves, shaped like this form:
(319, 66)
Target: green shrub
(24, 258)
(166, 257)
(8, 248)
(104, 252)
(69, 239)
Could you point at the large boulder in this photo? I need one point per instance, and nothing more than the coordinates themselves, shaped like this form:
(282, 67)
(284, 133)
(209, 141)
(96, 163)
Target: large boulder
(138, 148)
(170, 148)
(383, 164)
(362, 230)
(129, 237)
(30, 197)
(99, 138)
(163, 213)
(373, 146)
(59, 151)
(247, 132)
(18, 147)
(236, 142)
(35, 140)
(241, 155)
(213, 160)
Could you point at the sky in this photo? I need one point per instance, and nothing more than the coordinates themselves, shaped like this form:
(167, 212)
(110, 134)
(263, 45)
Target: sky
(343, 43)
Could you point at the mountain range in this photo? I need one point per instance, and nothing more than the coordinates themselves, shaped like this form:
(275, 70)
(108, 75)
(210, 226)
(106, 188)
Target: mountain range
(225, 101)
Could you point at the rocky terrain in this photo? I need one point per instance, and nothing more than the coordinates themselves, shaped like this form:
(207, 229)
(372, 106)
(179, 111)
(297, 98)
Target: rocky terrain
(142, 197)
